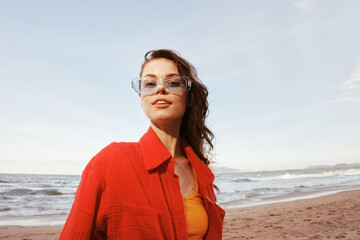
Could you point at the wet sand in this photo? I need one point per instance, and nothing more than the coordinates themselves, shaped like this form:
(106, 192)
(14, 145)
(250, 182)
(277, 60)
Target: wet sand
(335, 216)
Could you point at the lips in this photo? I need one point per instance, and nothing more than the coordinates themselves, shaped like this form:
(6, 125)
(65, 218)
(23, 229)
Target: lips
(161, 102)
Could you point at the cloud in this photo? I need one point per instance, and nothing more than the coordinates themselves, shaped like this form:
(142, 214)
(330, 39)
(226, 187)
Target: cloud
(353, 83)
(303, 4)
(349, 88)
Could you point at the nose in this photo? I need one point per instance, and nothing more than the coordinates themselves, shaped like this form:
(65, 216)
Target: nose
(160, 88)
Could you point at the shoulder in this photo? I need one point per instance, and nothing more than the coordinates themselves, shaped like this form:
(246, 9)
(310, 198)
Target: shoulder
(118, 149)
(113, 155)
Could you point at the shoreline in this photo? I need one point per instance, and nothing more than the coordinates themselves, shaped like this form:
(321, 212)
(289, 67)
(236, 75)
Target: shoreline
(37, 220)
(331, 216)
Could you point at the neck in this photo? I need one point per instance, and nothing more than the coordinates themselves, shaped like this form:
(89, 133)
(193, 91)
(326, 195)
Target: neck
(170, 137)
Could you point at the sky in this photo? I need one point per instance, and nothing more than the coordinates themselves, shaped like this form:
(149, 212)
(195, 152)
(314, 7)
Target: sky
(283, 78)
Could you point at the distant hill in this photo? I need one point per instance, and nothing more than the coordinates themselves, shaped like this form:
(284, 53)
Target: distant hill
(346, 165)
(340, 165)
(219, 169)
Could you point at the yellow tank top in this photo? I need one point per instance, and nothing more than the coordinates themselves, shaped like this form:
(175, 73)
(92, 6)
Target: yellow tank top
(197, 221)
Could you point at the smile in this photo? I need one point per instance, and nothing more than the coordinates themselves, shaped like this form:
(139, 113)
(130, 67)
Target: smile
(161, 102)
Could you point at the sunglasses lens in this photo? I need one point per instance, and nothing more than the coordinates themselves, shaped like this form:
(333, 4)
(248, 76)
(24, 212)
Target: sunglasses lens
(172, 85)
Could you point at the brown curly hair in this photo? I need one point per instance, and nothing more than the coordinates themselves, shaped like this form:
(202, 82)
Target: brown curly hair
(193, 127)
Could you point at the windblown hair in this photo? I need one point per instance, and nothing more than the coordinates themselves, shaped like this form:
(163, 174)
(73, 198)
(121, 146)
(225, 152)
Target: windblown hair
(193, 127)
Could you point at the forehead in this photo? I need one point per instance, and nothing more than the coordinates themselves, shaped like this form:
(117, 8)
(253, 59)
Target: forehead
(160, 66)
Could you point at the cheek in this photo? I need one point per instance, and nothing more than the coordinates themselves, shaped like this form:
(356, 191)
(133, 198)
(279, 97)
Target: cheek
(146, 105)
(143, 101)
(181, 107)
(145, 108)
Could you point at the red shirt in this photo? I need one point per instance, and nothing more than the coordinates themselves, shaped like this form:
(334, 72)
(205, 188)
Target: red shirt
(130, 191)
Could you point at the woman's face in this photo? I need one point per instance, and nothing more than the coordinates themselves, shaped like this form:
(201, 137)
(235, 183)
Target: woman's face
(162, 107)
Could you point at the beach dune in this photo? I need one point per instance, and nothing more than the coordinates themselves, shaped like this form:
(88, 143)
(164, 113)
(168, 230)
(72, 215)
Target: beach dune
(335, 216)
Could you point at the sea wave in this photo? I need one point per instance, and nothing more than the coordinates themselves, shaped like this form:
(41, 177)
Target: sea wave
(5, 209)
(26, 191)
(317, 174)
(242, 180)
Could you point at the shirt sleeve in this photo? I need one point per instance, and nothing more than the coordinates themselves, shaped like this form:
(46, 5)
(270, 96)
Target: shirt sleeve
(81, 222)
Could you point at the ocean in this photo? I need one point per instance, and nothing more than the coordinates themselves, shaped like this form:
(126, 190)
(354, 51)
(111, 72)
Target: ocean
(47, 199)
(242, 189)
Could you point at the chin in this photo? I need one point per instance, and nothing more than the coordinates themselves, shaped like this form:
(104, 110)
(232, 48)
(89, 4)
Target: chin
(164, 115)
(166, 119)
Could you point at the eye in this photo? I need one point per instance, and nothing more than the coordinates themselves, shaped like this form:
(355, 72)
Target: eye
(148, 83)
(174, 82)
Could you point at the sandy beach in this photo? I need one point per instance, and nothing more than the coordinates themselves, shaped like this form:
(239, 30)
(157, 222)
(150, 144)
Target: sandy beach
(335, 216)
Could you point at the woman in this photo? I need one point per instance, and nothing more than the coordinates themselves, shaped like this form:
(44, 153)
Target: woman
(161, 186)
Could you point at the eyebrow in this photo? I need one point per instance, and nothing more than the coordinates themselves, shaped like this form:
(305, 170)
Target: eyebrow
(172, 74)
(167, 75)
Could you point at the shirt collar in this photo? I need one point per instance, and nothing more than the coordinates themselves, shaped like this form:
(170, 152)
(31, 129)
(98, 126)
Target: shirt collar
(152, 150)
(154, 154)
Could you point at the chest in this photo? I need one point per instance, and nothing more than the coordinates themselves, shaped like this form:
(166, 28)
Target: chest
(152, 200)
(186, 177)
